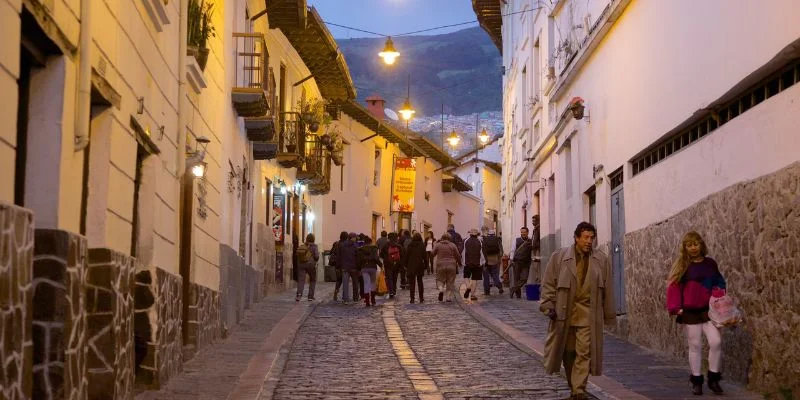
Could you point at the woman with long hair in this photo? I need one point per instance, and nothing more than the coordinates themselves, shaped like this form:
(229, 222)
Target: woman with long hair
(430, 241)
(693, 276)
(448, 259)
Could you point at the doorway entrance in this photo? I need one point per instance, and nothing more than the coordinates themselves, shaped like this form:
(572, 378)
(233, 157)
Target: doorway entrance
(617, 250)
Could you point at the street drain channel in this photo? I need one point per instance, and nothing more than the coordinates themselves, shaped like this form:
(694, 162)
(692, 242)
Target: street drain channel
(424, 385)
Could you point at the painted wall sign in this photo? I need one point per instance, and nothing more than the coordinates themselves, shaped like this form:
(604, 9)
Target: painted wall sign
(404, 185)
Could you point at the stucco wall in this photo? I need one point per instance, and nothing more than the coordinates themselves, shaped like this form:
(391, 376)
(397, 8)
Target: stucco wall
(750, 230)
(9, 73)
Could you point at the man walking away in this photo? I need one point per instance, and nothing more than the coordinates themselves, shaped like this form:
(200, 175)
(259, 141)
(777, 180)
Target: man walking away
(334, 260)
(576, 334)
(473, 259)
(307, 257)
(492, 252)
(522, 262)
(392, 255)
(404, 240)
(347, 260)
(455, 238)
(382, 241)
(368, 262)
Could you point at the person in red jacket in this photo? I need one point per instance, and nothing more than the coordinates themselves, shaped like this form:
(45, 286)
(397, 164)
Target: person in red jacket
(693, 276)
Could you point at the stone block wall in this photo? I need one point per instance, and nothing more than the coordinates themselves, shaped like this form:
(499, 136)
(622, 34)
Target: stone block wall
(59, 315)
(231, 284)
(157, 321)
(204, 316)
(751, 229)
(110, 310)
(16, 293)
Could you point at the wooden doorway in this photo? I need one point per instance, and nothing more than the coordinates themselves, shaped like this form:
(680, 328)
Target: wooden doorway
(375, 219)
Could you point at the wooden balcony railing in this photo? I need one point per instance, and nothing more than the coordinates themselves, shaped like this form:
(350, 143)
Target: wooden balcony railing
(251, 93)
(291, 140)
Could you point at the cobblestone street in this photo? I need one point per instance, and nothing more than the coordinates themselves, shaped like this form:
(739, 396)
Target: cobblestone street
(481, 350)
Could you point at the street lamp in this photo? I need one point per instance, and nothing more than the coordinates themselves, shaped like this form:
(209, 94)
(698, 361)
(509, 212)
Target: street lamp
(389, 54)
(484, 136)
(194, 159)
(407, 112)
(453, 139)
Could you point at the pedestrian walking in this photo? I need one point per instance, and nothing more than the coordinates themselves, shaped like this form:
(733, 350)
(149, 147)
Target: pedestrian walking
(430, 241)
(578, 296)
(307, 257)
(334, 260)
(369, 260)
(521, 257)
(693, 277)
(392, 255)
(360, 241)
(456, 238)
(473, 260)
(347, 259)
(405, 240)
(416, 262)
(382, 241)
(492, 252)
(448, 260)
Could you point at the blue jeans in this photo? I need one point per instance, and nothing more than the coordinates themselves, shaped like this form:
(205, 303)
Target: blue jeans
(348, 276)
(491, 272)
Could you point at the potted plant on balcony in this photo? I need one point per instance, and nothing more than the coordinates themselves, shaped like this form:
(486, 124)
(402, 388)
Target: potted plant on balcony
(577, 107)
(314, 114)
(200, 28)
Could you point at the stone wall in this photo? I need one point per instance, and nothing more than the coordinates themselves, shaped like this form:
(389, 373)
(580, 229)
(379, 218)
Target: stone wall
(16, 269)
(231, 283)
(110, 310)
(204, 316)
(59, 315)
(157, 322)
(751, 229)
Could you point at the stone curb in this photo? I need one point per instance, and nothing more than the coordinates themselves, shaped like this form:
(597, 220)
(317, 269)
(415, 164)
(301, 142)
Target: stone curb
(259, 379)
(601, 387)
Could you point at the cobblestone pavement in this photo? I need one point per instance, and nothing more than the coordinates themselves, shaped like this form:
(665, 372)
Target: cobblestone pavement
(638, 369)
(439, 352)
(214, 373)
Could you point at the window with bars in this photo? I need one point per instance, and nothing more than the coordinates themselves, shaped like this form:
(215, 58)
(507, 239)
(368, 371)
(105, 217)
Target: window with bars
(768, 87)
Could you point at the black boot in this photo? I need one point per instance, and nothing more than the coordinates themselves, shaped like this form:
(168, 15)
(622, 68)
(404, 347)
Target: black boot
(697, 384)
(713, 382)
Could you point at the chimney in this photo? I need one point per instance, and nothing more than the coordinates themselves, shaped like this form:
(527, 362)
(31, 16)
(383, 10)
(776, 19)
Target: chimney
(375, 105)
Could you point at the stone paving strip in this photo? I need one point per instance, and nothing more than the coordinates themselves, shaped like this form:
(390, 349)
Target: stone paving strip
(466, 359)
(630, 372)
(237, 366)
(342, 352)
(419, 378)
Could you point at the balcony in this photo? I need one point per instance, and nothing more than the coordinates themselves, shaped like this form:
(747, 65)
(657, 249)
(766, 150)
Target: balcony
(323, 185)
(291, 140)
(251, 91)
(311, 167)
(265, 150)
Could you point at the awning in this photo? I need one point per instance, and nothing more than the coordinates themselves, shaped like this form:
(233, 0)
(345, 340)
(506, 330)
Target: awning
(383, 129)
(454, 182)
(433, 151)
(490, 18)
(311, 39)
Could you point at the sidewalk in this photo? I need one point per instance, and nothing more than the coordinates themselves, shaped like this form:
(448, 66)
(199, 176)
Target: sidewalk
(629, 370)
(237, 366)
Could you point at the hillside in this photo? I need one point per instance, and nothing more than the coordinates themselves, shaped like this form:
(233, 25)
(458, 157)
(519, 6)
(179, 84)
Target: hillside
(466, 62)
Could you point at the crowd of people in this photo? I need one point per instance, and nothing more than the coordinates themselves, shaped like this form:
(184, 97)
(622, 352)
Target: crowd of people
(577, 288)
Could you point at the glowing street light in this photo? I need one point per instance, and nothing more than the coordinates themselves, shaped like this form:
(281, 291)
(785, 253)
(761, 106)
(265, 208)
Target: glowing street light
(453, 139)
(484, 136)
(199, 170)
(406, 112)
(389, 54)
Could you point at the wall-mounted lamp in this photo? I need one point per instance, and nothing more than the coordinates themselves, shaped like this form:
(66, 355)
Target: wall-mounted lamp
(140, 107)
(194, 159)
(577, 107)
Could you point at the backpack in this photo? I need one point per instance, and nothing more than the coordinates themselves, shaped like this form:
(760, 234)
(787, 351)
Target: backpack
(303, 254)
(491, 245)
(394, 252)
(334, 254)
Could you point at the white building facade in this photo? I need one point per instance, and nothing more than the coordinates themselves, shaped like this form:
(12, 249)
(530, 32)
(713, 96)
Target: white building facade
(650, 119)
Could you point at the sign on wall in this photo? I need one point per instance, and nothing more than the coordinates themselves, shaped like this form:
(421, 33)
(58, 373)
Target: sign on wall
(278, 208)
(404, 185)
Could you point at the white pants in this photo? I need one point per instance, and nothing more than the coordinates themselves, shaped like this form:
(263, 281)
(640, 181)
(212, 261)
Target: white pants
(694, 337)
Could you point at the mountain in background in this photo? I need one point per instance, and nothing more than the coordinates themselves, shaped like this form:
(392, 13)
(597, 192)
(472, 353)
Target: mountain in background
(465, 62)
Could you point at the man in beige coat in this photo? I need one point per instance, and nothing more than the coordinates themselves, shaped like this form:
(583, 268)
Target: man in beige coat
(578, 296)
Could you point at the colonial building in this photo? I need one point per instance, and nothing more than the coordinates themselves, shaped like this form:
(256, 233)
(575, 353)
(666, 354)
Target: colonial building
(650, 119)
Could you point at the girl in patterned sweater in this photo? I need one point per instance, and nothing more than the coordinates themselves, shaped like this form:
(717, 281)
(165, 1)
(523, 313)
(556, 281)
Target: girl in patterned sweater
(691, 280)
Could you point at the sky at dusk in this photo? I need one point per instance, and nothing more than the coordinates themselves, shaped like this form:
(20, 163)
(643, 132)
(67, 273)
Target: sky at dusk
(393, 17)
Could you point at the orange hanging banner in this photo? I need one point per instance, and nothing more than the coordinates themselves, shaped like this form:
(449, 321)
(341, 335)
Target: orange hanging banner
(404, 185)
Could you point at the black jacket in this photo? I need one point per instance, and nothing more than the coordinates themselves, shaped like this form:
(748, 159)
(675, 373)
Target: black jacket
(367, 257)
(472, 252)
(385, 255)
(346, 252)
(416, 260)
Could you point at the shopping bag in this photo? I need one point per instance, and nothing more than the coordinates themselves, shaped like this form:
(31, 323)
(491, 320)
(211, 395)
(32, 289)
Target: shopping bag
(381, 288)
(722, 310)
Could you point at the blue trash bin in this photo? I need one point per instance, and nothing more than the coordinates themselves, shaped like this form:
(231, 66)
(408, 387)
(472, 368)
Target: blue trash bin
(532, 291)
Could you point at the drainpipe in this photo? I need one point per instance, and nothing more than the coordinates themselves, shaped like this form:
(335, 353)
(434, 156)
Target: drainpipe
(180, 154)
(82, 104)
